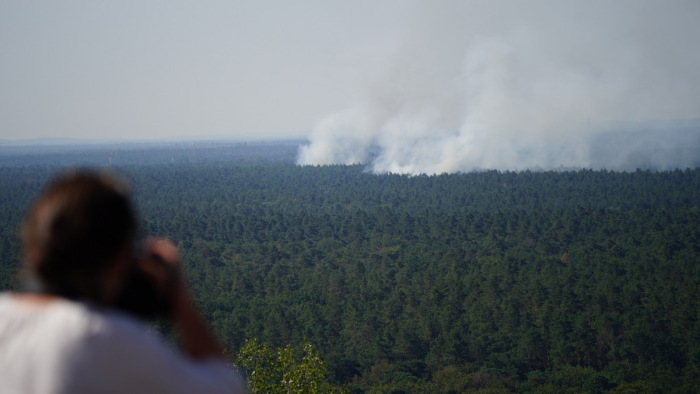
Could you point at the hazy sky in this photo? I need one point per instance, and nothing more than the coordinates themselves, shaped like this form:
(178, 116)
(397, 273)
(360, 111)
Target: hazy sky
(141, 69)
(405, 84)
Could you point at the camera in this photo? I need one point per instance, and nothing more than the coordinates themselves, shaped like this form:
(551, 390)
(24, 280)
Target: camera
(140, 296)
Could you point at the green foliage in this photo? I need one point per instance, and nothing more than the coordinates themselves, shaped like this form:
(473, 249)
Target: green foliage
(268, 372)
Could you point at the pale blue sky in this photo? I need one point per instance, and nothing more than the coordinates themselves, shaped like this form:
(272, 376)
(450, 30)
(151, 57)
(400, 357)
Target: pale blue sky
(159, 69)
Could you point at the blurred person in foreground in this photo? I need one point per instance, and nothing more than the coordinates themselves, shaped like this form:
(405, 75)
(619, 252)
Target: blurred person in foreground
(74, 329)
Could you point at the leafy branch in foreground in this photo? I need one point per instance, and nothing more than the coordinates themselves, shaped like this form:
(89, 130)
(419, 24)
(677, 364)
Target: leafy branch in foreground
(282, 372)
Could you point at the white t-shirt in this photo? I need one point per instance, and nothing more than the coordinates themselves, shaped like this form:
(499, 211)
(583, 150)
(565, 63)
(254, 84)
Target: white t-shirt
(70, 347)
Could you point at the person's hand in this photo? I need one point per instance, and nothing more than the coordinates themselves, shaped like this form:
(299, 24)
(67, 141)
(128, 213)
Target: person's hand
(164, 249)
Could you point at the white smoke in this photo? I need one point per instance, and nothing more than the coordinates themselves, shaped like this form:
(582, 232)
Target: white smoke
(462, 88)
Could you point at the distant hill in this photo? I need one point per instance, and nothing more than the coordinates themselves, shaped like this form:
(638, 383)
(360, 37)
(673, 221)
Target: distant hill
(73, 152)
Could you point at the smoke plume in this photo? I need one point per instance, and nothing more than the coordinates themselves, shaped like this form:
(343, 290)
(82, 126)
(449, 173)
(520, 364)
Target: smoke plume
(522, 85)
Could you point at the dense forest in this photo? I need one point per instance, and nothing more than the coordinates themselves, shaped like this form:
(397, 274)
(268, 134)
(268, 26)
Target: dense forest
(486, 281)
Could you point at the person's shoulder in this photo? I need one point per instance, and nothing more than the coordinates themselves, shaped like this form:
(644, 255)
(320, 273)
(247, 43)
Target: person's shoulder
(115, 327)
(80, 323)
(48, 314)
(129, 352)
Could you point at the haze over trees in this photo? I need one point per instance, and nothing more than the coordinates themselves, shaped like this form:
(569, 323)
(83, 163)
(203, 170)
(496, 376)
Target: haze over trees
(514, 281)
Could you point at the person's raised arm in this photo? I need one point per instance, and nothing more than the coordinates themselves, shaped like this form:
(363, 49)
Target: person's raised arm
(197, 339)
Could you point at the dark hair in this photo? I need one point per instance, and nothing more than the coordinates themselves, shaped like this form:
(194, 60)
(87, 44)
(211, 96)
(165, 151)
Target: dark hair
(75, 230)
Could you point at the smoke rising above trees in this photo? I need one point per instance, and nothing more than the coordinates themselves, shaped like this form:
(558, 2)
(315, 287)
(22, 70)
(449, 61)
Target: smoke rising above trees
(515, 86)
